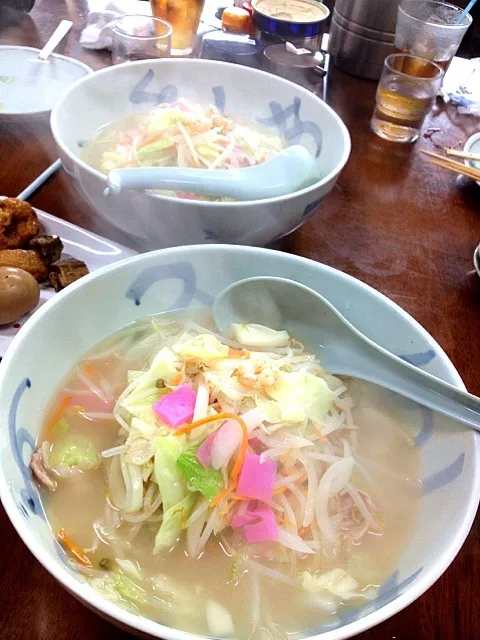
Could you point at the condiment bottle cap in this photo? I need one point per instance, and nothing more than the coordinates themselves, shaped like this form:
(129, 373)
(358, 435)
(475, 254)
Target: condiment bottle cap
(236, 20)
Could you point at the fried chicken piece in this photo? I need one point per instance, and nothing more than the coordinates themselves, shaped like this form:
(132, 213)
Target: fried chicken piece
(27, 260)
(18, 223)
(64, 272)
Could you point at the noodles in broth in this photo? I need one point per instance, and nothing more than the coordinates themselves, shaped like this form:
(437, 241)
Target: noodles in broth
(204, 482)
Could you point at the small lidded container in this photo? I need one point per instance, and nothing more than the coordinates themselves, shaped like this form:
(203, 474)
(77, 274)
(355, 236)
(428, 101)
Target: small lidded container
(301, 22)
(301, 66)
(233, 43)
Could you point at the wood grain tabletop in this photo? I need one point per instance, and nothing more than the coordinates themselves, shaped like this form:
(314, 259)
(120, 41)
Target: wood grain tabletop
(393, 221)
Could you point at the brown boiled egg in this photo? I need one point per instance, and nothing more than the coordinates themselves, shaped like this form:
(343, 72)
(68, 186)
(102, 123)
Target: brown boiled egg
(19, 293)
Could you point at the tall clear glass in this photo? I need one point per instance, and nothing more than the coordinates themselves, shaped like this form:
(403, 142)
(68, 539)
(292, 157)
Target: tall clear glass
(405, 95)
(184, 16)
(429, 29)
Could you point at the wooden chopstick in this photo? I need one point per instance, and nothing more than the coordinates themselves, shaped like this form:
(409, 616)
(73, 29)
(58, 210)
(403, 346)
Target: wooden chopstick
(452, 165)
(463, 154)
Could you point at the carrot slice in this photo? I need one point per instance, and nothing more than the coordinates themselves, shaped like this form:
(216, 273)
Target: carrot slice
(223, 494)
(282, 520)
(238, 353)
(150, 140)
(319, 433)
(74, 550)
(88, 369)
(58, 413)
(177, 379)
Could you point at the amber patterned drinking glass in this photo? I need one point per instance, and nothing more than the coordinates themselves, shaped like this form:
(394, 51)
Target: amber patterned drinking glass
(184, 16)
(405, 95)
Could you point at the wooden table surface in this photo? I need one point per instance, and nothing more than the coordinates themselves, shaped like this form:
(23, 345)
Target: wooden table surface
(405, 228)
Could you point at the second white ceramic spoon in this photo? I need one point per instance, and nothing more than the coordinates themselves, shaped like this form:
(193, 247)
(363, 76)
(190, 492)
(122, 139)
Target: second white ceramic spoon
(343, 350)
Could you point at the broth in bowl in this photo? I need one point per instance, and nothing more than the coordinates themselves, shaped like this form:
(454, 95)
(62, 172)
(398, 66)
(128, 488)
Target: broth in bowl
(204, 482)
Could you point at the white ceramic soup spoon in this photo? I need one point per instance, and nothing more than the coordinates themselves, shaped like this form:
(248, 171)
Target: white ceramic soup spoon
(343, 350)
(292, 169)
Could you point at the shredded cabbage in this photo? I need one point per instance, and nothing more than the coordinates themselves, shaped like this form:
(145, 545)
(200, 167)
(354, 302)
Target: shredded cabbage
(75, 452)
(302, 396)
(119, 588)
(333, 587)
(219, 620)
(208, 482)
(256, 335)
(203, 347)
(168, 476)
(174, 520)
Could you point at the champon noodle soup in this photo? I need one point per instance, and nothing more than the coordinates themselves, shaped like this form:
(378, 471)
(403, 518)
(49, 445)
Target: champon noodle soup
(181, 134)
(204, 482)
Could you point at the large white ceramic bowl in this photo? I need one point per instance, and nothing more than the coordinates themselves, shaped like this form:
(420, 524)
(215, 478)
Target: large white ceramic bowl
(60, 332)
(155, 221)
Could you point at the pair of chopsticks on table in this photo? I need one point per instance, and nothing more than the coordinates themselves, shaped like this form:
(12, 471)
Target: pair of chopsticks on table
(446, 162)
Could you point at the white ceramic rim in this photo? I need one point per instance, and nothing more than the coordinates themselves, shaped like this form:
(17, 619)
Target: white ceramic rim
(74, 61)
(476, 259)
(467, 148)
(84, 592)
(201, 203)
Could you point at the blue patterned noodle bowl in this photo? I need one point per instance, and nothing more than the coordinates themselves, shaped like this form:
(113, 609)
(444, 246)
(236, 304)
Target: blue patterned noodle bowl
(190, 277)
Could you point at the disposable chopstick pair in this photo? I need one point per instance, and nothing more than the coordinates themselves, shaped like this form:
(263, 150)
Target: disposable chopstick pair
(452, 165)
(466, 155)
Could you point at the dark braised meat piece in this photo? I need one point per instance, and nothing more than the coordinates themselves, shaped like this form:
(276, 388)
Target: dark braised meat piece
(27, 260)
(48, 247)
(18, 223)
(64, 272)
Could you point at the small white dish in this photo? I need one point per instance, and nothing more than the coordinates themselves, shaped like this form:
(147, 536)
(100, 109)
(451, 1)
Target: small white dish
(29, 85)
(472, 145)
(78, 243)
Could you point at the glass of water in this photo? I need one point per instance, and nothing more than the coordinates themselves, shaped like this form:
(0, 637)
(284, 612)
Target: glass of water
(405, 94)
(137, 37)
(429, 29)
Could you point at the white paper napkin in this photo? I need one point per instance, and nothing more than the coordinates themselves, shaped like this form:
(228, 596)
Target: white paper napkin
(97, 33)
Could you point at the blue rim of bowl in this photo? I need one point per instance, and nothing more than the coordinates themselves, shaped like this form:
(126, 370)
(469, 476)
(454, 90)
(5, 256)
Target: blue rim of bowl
(201, 203)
